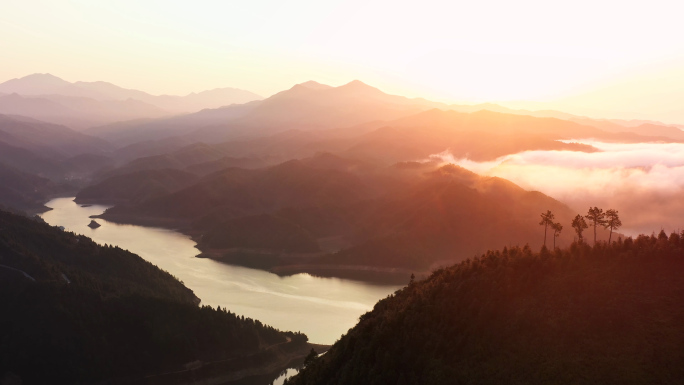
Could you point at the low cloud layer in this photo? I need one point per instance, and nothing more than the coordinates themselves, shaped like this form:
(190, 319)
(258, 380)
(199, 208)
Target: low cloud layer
(643, 181)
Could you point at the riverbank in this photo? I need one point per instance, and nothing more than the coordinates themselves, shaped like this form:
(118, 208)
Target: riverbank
(322, 308)
(258, 368)
(282, 264)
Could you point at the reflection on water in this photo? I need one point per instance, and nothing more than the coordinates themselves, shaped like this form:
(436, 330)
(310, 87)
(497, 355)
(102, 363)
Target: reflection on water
(290, 372)
(323, 308)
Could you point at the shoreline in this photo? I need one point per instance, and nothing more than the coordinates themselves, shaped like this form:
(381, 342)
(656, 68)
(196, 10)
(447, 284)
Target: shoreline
(269, 362)
(281, 264)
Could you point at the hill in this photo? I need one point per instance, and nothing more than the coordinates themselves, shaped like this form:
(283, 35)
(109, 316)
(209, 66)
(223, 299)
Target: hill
(608, 314)
(347, 214)
(75, 311)
(136, 187)
(24, 191)
(77, 112)
(481, 136)
(234, 192)
(47, 139)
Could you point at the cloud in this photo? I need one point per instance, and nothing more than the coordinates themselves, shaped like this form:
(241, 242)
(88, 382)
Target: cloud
(643, 181)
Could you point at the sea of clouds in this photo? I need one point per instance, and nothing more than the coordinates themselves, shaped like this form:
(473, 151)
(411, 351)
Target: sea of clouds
(643, 181)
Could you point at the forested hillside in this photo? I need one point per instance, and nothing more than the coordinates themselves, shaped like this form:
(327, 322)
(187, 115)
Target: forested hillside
(599, 315)
(74, 311)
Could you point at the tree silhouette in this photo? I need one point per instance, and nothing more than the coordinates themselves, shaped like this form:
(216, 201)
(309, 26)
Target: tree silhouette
(557, 228)
(547, 220)
(597, 218)
(310, 357)
(612, 221)
(579, 224)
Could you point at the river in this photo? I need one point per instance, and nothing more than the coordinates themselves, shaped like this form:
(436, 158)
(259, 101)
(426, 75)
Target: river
(322, 308)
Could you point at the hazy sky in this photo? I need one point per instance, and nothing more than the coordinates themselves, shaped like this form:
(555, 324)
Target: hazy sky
(486, 50)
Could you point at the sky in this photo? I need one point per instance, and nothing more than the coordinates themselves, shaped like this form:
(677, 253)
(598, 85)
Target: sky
(622, 59)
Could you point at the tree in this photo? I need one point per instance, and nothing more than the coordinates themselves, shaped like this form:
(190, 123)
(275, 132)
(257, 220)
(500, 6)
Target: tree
(310, 357)
(612, 221)
(557, 228)
(597, 218)
(579, 224)
(547, 220)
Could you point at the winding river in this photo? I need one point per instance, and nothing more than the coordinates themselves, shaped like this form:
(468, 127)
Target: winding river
(323, 308)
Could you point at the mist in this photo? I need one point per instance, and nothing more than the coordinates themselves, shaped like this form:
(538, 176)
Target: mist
(643, 181)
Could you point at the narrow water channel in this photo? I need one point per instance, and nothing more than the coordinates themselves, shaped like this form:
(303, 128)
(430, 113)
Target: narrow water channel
(323, 308)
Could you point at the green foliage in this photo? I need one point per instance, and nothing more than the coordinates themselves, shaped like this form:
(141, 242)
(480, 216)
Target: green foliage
(610, 314)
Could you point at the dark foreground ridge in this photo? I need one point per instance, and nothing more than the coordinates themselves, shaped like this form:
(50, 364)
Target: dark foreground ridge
(77, 312)
(602, 315)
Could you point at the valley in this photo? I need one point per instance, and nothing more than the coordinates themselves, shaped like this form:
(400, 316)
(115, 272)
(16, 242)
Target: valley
(222, 235)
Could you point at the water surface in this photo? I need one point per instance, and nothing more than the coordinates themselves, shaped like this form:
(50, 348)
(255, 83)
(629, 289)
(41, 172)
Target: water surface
(323, 308)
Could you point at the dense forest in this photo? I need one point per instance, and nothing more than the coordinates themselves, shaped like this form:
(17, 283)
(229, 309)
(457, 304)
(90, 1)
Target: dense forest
(75, 311)
(607, 314)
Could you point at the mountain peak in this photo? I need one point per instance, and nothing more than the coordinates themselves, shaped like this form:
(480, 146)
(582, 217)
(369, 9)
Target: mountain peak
(358, 85)
(314, 85)
(34, 84)
(45, 77)
(36, 79)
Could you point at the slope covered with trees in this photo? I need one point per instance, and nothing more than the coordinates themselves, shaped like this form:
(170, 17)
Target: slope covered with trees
(74, 311)
(136, 186)
(608, 314)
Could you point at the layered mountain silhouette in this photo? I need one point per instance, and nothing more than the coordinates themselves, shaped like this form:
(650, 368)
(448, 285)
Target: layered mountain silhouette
(24, 191)
(48, 139)
(403, 216)
(306, 106)
(85, 104)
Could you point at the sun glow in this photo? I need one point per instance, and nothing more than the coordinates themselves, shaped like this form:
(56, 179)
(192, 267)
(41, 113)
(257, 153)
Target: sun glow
(450, 51)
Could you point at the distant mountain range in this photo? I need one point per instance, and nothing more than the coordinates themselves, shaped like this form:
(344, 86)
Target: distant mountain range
(352, 109)
(85, 104)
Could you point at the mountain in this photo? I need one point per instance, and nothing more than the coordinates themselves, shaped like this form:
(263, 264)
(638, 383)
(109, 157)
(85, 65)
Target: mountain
(306, 106)
(47, 139)
(77, 112)
(26, 161)
(236, 192)
(24, 191)
(450, 214)
(346, 213)
(225, 162)
(602, 315)
(75, 311)
(482, 135)
(128, 133)
(47, 84)
(136, 187)
(179, 159)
